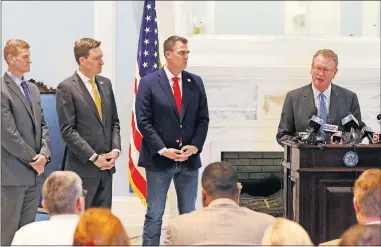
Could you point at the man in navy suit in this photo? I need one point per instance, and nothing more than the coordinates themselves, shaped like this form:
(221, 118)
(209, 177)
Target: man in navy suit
(172, 116)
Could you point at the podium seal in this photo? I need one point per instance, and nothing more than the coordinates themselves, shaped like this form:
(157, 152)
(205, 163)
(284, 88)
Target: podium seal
(350, 159)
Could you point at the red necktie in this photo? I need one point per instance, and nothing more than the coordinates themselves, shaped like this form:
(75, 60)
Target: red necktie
(177, 93)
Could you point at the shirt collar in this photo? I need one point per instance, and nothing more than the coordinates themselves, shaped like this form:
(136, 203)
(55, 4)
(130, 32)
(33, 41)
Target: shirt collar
(64, 216)
(83, 77)
(374, 223)
(223, 201)
(16, 79)
(327, 92)
(170, 75)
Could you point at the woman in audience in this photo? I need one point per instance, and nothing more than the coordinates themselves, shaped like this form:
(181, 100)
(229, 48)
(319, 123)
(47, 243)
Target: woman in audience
(98, 226)
(285, 232)
(364, 235)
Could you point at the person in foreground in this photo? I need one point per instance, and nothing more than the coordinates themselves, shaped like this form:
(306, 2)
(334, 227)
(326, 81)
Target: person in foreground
(63, 199)
(361, 235)
(25, 142)
(89, 123)
(172, 116)
(333, 102)
(286, 232)
(221, 221)
(99, 227)
(366, 200)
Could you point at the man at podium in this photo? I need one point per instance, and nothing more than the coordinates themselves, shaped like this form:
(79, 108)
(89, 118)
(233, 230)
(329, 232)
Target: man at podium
(321, 97)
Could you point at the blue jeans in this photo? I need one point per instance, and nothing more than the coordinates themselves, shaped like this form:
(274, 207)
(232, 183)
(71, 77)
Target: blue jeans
(158, 182)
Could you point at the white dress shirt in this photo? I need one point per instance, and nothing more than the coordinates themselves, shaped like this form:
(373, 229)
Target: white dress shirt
(18, 81)
(86, 81)
(170, 79)
(327, 94)
(58, 230)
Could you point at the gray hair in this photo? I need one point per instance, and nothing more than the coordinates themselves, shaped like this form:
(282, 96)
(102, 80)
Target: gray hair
(60, 192)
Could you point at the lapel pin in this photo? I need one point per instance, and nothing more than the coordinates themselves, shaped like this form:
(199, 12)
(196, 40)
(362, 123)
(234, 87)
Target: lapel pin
(101, 82)
(188, 79)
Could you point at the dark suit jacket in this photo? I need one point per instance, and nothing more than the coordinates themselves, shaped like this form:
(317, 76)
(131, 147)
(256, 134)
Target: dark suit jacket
(23, 133)
(160, 124)
(299, 106)
(81, 127)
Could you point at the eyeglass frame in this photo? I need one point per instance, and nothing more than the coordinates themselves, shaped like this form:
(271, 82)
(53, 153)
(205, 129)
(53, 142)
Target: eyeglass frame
(325, 70)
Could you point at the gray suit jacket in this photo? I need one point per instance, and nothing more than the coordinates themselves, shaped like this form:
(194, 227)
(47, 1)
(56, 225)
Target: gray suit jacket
(23, 133)
(223, 222)
(299, 107)
(81, 126)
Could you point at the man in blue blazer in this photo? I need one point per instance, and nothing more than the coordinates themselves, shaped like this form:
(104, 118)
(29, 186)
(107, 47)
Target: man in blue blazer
(172, 116)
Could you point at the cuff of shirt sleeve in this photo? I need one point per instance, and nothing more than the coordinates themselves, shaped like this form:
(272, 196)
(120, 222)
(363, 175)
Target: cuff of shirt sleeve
(161, 151)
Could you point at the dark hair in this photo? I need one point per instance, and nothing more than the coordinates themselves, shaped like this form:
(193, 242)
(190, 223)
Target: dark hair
(171, 41)
(219, 180)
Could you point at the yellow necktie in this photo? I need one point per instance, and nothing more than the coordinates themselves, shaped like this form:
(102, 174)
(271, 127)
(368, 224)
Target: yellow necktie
(97, 98)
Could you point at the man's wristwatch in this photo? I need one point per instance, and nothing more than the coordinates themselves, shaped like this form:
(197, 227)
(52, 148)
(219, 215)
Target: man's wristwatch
(47, 158)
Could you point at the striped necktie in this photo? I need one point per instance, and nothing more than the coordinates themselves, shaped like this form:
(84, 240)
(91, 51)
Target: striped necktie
(323, 113)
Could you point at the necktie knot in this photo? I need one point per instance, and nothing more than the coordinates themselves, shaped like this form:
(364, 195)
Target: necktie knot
(175, 80)
(23, 84)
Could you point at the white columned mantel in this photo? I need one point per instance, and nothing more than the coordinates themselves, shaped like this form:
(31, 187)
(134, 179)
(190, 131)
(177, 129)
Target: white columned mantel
(104, 31)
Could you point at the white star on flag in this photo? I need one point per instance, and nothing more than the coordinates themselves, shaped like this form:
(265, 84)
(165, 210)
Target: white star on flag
(146, 53)
(146, 30)
(155, 42)
(148, 6)
(148, 18)
(146, 41)
(145, 65)
(155, 54)
(155, 65)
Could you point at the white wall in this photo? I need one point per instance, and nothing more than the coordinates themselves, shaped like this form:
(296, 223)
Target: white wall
(50, 28)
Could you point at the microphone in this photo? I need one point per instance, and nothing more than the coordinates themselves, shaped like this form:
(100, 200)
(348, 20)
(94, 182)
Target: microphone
(366, 132)
(379, 118)
(351, 124)
(377, 138)
(337, 137)
(313, 127)
(329, 130)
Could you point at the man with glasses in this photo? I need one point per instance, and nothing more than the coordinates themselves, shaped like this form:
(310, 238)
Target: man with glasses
(64, 199)
(24, 142)
(332, 102)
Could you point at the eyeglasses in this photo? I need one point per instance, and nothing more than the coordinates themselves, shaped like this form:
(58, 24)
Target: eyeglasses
(84, 193)
(324, 70)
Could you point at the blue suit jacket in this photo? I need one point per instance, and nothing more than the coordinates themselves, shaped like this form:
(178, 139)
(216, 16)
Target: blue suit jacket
(160, 123)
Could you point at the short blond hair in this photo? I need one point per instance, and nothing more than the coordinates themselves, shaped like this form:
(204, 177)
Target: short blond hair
(367, 192)
(83, 46)
(285, 232)
(326, 53)
(12, 46)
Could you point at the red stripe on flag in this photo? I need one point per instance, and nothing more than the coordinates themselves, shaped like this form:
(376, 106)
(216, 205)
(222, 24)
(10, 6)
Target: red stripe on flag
(136, 86)
(137, 178)
(136, 136)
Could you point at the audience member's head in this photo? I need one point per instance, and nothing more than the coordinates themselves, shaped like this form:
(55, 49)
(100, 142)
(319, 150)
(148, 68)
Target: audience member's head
(62, 193)
(219, 180)
(362, 235)
(285, 232)
(367, 196)
(98, 226)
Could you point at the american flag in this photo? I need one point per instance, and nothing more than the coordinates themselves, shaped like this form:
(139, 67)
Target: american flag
(147, 62)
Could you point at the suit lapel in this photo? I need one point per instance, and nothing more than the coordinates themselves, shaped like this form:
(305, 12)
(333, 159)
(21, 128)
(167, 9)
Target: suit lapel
(186, 91)
(309, 101)
(164, 83)
(81, 87)
(13, 86)
(334, 103)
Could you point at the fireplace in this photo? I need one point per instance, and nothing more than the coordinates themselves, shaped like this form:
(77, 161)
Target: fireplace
(261, 176)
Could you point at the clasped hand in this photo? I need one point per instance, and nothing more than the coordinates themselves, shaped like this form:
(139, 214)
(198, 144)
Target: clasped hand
(180, 155)
(107, 161)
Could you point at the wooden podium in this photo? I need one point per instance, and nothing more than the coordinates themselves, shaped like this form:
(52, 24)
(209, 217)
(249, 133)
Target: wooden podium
(318, 185)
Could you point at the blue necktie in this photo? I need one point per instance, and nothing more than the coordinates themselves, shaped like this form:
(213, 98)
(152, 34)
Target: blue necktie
(323, 113)
(26, 92)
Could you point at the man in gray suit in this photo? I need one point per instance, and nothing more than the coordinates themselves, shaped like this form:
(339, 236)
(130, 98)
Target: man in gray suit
(89, 123)
(333, 102)
(24, 142)
(221, 221)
